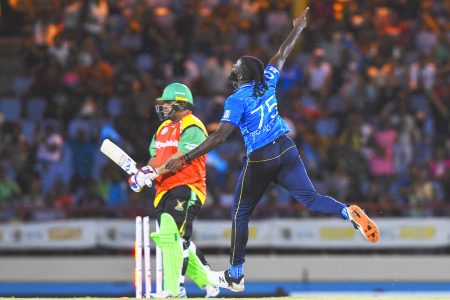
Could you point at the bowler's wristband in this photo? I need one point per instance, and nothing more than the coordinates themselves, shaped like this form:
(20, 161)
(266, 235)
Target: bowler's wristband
(187, 158)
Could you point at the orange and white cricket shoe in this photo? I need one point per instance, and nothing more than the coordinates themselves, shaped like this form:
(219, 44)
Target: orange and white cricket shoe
(363, 223)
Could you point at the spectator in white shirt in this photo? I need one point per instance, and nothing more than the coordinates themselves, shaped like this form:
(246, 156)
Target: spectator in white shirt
(422, 74)
(319, 73)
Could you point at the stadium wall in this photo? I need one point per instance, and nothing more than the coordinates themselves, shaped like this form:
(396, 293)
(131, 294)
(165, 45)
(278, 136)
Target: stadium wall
(292, 268)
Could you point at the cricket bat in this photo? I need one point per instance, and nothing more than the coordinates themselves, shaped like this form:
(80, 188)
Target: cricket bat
(117, 155)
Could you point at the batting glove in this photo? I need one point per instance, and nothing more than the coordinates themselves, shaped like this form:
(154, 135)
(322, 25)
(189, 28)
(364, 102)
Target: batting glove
(145, 176)
(133, 185)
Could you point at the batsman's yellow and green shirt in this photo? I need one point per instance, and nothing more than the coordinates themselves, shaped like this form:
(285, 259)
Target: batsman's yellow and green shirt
(184, 135)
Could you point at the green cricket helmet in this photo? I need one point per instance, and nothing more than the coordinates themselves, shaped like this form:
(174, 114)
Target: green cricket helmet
(179, 96)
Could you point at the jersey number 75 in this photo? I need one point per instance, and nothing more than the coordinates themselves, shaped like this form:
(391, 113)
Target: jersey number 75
(270, 108)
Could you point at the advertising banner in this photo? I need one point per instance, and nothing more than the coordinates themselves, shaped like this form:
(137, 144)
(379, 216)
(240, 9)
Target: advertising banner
(274, 233)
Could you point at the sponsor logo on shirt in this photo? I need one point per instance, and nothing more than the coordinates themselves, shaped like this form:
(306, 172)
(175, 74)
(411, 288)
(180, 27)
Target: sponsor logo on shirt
(226, 114)
(169, 143)
(191, 146)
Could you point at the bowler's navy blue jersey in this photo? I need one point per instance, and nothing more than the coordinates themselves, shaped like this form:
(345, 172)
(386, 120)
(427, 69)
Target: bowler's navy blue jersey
(257, 118)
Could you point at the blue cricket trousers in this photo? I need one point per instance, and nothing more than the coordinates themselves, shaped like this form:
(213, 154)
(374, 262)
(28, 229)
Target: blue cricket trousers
(278, 162)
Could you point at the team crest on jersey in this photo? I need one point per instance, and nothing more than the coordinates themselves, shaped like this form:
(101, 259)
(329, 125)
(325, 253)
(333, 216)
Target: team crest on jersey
(179, 206)
(164, 130)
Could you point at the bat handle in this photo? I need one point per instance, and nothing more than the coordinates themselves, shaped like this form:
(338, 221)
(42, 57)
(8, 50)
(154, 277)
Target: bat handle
(133, 170)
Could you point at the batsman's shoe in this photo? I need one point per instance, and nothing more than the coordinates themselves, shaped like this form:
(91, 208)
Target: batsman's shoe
(211, 291)
(161, 295)
(182, 293)
(167, 294)
(363, 223)
(223, 279)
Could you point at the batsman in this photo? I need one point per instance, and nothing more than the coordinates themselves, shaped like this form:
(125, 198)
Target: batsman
(180, 195)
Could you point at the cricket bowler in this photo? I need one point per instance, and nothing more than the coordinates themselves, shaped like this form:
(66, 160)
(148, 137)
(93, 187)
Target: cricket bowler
(271, 155)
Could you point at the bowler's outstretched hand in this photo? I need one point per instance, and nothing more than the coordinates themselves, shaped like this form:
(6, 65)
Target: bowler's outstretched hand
(301, 21)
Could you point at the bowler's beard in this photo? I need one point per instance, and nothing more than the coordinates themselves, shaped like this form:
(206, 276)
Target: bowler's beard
(234, 79)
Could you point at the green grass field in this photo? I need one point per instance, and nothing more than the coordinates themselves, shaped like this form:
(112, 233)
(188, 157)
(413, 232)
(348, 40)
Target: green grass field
(268, 298)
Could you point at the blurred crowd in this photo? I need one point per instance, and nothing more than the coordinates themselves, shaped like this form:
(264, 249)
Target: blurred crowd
(366, 96)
